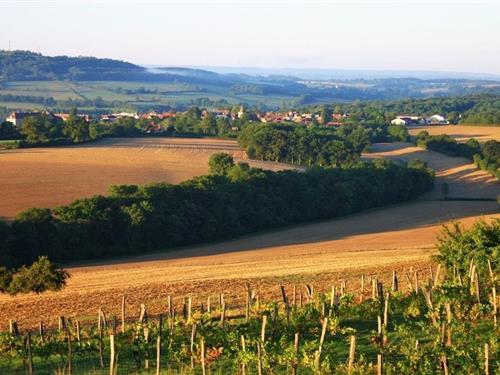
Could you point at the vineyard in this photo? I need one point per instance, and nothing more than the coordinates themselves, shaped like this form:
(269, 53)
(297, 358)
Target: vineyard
(440, 322)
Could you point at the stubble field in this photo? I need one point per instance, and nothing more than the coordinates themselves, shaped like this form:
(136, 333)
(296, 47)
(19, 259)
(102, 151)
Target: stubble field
(373, 242)
(49, 177)
(461, 132)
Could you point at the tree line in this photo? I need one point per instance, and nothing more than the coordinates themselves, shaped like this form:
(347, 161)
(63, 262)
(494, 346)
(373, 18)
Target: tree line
(233, 200)
(470, 109)
(486, 157)
(299, 145)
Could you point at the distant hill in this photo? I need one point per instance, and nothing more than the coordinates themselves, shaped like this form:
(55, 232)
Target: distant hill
(31, 66)
(67, 82)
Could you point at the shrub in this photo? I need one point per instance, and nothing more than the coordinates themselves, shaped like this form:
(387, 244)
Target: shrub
(220, 164)
(457, 247)
(41, 276)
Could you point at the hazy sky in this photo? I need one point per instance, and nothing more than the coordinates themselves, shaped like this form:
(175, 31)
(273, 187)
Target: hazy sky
(404, 35)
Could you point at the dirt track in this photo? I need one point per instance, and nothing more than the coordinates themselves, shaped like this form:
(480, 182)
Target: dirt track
(376, 241)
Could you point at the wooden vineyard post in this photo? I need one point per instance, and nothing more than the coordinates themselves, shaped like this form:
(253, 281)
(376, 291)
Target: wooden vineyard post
(495, 308)
(362, 292)
(42, 332)
(352, 352)
(294, 301)
(380, 364)
(247, 305)
(486, 359)
(158, 354)
(478, 295)
(448, 322)
(143, 314)
(223, 314)
(202, 348)
(112, 355)
(394, 286)
(321, 341)
(259, 356)
(416, 282)
(123, 314)
(30, 355)
(146, 344)
(263, 329)
(100, 332)
(78, 333)
(296, 352)
(374, 289)
(61, 323)
(70, 353)
(444, 364)
(379, 330)
(386, 310)
(436, 277)
(209, 308)
(285, 301)
(243, 349)
(193, 338)
(189, 309)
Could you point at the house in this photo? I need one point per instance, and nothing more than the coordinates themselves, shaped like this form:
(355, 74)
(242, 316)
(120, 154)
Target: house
(408, 120)
(333, 123)
(401, 121)
(436, 120)
(65, 116)
(17, 118)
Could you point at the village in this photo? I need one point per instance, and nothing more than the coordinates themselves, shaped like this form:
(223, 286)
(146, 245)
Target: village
(297, 117)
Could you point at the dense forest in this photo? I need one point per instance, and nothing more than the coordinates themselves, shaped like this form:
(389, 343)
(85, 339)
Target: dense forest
(234, 200)
(314, 146)
(30, 66)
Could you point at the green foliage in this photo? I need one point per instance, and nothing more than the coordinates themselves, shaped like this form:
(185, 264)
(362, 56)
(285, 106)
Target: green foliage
(40, 128)
(398, 133)
(41, 276)
(220, 164)
(458, 247)
(297, 145)
(207, 208)
(410, 320)
(486, 157)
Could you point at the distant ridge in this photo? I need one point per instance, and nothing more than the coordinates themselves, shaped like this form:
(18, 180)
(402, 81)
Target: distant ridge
(331, 74)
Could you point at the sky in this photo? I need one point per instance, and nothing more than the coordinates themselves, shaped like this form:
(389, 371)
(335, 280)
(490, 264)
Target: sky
(453, 36)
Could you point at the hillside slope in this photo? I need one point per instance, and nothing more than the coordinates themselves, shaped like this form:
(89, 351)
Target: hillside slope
(371, 242)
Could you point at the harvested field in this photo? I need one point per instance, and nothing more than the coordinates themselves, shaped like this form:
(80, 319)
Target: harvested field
(372, 242)
(460, 132)
(49, 177)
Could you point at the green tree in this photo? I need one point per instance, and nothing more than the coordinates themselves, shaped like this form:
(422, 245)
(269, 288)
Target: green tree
(8, 131)
(41, 276)
(220, 164)
(36, 128)
(208, 125)
(77, 129)
(5, 279)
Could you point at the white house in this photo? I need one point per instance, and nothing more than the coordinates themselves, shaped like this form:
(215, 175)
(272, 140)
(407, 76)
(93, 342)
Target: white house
(399, 121)
(436, 120)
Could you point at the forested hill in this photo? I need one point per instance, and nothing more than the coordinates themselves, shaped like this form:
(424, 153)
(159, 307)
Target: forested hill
(26, 66)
